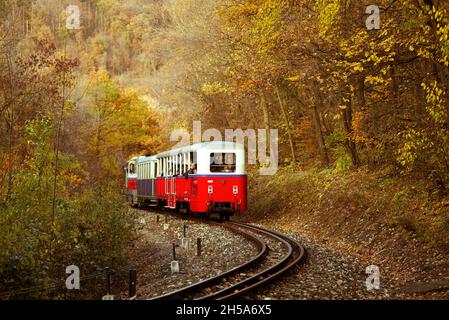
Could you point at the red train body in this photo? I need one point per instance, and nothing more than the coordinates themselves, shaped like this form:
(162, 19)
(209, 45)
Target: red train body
(204, 193)
(218, 184)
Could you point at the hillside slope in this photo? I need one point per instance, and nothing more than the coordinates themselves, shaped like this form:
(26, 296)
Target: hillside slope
(391, 222)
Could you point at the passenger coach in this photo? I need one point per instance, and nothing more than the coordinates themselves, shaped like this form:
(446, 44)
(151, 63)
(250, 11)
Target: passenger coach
(203, 178)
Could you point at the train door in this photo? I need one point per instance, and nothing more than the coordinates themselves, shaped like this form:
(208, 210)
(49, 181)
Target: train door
(168, 181)
(173, 192)
(167, 188)
(192, 159)
(153, 176)
(192, 185)
(175, 173)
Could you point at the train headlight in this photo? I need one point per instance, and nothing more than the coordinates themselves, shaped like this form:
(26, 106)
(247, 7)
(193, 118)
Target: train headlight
(235, 189)
(210, 189)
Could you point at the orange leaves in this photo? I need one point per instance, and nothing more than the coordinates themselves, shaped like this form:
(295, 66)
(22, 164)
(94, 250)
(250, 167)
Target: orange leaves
(358, 135)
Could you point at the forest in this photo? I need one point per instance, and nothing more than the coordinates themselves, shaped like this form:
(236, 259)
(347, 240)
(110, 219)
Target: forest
(75, 104)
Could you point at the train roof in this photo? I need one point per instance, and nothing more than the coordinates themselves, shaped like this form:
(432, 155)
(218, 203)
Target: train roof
(225, 145)
(142, 158)
(146, 158)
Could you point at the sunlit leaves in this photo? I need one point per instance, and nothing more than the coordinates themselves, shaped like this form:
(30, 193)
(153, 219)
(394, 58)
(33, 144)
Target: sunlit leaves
(123, 123)
(429, 144)
(435, 103)
(329, 16)
(215, 88)
(268, 25)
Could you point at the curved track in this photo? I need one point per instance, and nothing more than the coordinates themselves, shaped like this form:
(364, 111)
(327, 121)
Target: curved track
(265, 267)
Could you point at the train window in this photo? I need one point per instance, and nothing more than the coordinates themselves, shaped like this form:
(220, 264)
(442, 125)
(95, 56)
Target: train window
(192, 157)
(170, 166)
(168, 171)
(155, 169)
(162, 167)
(165, 167)
(176, 165)
(223, 162)
(181, 164)
(132, 168)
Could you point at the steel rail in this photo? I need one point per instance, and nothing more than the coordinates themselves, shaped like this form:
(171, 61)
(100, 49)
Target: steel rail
(295, 254)
(263, 250)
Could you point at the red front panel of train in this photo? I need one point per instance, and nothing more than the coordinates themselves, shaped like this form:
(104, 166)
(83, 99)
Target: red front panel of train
(204, 191)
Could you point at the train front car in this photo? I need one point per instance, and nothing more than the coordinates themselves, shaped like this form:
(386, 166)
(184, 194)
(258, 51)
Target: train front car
(207, 178)
(220, 185)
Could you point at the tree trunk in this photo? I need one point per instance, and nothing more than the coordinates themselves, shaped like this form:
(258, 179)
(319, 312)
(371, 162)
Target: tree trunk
(287, 123)
(361, 101)
(319, 135)
(266, 117)
(10, 132)
(58, 141)
(352, 147)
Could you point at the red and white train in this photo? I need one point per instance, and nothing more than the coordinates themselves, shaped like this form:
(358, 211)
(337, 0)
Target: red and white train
(202, 178)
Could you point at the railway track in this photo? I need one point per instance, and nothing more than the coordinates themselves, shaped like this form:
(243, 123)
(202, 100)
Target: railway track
(277, 255)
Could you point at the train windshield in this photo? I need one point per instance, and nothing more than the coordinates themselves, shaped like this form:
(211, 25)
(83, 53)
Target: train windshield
(222, 162)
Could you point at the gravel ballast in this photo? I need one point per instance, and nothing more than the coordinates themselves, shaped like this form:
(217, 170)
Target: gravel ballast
(330, 275)
(327, 274)
(152, 254)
